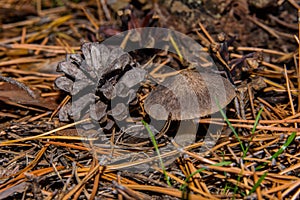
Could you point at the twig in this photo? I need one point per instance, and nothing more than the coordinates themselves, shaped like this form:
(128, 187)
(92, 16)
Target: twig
(19, 84)
(283, 23)
(266, 28)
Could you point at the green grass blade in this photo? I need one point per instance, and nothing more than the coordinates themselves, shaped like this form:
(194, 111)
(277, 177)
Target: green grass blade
(258, 183)
(256, 120)
(236, 186)
(253, 130)
(230, 126)
(157, 151)
(285, 145)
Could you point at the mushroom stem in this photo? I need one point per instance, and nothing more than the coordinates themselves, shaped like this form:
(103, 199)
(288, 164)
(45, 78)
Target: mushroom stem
(186, 133)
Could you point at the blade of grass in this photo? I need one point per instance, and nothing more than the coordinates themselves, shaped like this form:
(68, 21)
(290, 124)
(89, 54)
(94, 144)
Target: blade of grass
(256, 120)
(258, 183)
(236, 186)
(282, 148)
(176, 49)
(230, 126)
(285, 145)
(157, 151)
(253, 130)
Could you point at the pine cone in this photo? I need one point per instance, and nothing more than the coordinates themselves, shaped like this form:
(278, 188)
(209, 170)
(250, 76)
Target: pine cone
(94, 80)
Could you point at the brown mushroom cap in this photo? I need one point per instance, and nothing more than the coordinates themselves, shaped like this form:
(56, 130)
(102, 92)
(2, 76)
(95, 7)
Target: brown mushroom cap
(189, 95)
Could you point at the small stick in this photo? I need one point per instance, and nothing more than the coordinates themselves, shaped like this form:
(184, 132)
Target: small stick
(19, 84)
(289, 93)
(90, 17)
(19, 61)
(23, 37)
(39, 7)
(266, 28)
(269, 51)
(255, 177)
(206, 33)
(271, 107)
(46, 48)
(106, 10)
(99, 10)
(283, 23)
(249, 89)
(23, 106)
(44, 42)
(203, 39)
(272, 66)
(66, 99)
(290, 119)
(39, 116)
(294, 4)
(22, 72)
(120, 197)
(298, 59)
(27, 22)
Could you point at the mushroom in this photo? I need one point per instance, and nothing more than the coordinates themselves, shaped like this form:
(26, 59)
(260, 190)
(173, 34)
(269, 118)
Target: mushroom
(186, 96)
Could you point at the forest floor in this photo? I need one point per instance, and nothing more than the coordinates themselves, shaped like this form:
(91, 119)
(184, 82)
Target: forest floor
(254, 155)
